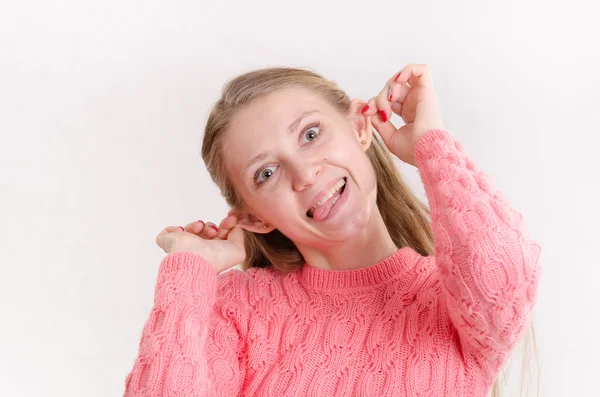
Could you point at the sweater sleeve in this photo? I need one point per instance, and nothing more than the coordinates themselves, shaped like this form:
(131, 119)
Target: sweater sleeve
(488, 265)
(173, 358)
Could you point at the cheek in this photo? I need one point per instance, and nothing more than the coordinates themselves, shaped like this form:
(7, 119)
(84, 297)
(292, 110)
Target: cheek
(354, 160)
(365, 177)
(342, 154)
(277, 206)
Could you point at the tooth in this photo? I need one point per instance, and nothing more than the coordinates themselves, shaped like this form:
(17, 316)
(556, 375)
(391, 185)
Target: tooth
(334, 189)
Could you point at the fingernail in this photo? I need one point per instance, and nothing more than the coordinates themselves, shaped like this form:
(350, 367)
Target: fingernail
(365, 108)
(390, 96)
(201, 222)
(213, 227)
(383, 116)
(396, 79)
(182, 229)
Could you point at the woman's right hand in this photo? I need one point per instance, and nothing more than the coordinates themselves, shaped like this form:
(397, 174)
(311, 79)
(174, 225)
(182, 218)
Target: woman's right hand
(222, 247)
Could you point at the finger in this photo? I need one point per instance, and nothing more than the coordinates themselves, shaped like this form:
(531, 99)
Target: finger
(210, 230)
(374, 111)
(398, 92)
(397, 108)
(229, 221)
(160, 239)
(161, 236)
(411, 75)
(167, 230)
(372, 108)
(415, 74)
(385, 129)
(194, 227)
(236, 235)
(383, 104)
(381, 120)
(395, 89)
(172, 229)
(226, 225)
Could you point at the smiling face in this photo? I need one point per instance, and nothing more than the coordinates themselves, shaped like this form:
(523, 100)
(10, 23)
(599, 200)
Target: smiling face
(285, 151)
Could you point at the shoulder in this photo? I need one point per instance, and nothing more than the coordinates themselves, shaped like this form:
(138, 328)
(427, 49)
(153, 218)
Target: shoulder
(423, 279)
(250, 284)
(242, 295)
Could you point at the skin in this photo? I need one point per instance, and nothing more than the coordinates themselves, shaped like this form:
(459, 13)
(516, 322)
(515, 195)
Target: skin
(357, 237)
(300, 166)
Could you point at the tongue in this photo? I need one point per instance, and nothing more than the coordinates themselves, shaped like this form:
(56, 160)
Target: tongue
(322, 211)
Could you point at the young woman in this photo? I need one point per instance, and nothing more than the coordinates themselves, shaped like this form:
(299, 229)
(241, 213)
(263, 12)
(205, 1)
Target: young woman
(351, 285)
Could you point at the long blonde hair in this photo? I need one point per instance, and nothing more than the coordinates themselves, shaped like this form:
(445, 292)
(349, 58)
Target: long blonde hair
(407, 218)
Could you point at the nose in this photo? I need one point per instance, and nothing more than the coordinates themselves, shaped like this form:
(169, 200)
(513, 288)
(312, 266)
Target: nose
(304, 173)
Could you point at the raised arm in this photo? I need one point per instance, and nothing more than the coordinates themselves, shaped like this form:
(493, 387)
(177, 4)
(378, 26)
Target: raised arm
(173, 357)
(488, 264)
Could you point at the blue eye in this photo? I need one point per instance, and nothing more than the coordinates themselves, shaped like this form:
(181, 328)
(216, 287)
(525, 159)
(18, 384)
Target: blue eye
(263, 172)
(309, 131)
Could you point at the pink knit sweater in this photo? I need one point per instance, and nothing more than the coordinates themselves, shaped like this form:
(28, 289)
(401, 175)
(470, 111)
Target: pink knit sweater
(409, 325)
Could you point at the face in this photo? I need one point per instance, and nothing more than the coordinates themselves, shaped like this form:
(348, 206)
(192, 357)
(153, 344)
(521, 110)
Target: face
(304, 146)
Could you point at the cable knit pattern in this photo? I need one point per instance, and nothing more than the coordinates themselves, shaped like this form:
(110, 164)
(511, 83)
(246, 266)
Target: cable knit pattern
(406, 326)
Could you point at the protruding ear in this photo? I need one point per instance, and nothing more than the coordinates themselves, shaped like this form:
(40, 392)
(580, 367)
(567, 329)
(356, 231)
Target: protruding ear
(249, 221)
(361, 124)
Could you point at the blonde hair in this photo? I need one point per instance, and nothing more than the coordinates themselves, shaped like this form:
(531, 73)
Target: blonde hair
(407, 218)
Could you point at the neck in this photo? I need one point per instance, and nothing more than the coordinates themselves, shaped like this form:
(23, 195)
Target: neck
(370, 246)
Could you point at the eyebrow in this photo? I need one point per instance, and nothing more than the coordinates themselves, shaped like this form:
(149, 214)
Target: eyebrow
(262, 155)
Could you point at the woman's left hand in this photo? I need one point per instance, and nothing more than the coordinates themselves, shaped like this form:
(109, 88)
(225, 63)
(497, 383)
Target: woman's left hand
(409, 94)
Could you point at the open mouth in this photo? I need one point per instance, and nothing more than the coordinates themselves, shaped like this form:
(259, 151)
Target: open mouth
(309, 213)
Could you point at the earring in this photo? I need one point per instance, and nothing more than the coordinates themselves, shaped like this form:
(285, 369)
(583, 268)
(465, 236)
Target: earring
(363, 142)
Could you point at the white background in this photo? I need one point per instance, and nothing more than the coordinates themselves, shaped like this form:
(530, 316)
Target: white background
(102, 107)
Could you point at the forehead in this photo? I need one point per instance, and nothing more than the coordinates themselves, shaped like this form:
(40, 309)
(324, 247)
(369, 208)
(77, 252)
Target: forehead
(275, 109)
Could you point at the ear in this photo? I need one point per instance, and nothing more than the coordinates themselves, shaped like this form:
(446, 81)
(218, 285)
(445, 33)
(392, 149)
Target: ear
(249, 221)
(361, 124)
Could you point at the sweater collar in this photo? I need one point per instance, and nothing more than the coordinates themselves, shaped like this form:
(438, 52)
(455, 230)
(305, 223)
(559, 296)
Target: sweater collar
(391, 267)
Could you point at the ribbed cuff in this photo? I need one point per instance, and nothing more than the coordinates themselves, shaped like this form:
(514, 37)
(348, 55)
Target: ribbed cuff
(432, 143)
(186, 271)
